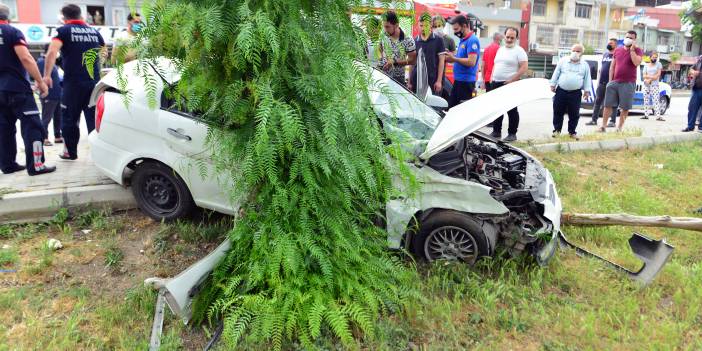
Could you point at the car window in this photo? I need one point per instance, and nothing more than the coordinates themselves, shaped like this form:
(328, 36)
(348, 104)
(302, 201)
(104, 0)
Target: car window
(593, 69)
(170, 102)
(400, 110)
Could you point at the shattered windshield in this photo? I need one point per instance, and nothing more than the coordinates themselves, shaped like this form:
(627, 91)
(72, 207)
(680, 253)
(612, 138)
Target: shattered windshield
(401, 111)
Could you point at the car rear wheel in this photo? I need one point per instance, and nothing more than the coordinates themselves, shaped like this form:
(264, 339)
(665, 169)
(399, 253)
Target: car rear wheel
(663, 104)
(160, 193)
(450, 235)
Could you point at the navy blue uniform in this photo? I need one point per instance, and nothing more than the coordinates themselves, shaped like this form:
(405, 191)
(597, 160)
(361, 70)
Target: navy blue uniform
(51, 104)
(17, 103)
(77, 38)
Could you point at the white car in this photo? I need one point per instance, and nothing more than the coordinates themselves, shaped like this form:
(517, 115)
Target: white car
(595, 63)
(477, 193)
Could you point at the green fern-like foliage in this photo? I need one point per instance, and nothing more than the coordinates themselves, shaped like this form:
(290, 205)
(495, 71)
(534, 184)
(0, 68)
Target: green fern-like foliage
(293, 128)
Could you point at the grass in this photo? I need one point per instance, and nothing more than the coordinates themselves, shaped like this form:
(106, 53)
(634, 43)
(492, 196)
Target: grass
(565, 138)
(501, 304)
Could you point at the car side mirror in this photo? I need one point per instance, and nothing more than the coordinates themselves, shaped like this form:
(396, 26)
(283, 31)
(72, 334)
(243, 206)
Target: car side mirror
(436, 102)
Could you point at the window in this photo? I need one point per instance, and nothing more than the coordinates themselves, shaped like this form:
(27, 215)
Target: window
(663, 39)
(568, 38)
(12, 4)
(539, 7)
(502, 29)
(582, 10)
(688, 46)
(119, 16)
(594, 39)
(508, 4)
(544, 35)
(593, 69)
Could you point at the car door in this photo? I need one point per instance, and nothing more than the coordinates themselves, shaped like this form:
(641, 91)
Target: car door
(184, 134)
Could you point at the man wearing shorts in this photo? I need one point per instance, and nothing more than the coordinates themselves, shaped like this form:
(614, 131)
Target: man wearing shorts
(622, 80)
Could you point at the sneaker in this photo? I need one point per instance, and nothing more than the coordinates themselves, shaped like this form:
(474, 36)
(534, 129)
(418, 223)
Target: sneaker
(67, 156)
(46, 169)
(14, 168)
(58, 140)
(555, 134)
(610, 125)
(688, 130)
(591, 123)
(660, 119)
(574, 136)
(644, 117)
(510, 138)
(496, 134)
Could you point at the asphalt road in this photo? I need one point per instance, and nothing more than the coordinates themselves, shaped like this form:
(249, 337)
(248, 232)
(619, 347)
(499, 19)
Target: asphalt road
(536, 120)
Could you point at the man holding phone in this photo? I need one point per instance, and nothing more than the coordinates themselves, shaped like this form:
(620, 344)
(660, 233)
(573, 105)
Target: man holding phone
(465, 68)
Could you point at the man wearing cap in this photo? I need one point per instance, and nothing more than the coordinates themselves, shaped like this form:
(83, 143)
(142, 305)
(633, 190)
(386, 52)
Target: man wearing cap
(465, 61)
(75, 40)
(17, 102)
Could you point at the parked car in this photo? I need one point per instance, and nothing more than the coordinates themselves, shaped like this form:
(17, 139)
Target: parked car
(665, 91)
(477, 193)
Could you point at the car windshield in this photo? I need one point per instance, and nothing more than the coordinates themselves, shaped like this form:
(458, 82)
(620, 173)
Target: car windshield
(400, 110)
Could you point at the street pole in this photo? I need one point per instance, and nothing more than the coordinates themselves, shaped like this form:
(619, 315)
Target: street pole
(607, 21)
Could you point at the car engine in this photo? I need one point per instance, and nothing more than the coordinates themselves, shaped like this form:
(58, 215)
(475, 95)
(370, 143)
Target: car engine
(478, 159)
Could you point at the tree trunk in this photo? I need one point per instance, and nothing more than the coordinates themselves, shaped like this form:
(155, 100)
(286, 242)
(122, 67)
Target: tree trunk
(629, 220)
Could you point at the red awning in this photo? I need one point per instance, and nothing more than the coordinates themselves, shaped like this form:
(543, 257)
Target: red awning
(687, 60)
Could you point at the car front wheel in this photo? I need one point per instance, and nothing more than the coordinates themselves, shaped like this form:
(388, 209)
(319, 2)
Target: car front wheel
(160, 192)
(450, 235)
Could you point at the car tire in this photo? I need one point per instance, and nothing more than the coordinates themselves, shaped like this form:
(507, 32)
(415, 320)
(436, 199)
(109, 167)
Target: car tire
(450, 235)
(664, 104)
(160, 193)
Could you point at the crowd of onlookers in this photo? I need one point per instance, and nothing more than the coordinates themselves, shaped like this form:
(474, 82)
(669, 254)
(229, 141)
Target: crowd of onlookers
(504, 62)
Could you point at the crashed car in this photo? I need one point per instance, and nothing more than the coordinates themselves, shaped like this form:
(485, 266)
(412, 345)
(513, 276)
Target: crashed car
(476, 193)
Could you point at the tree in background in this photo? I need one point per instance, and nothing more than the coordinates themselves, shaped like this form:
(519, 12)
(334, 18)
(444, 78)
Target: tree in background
(292, 126)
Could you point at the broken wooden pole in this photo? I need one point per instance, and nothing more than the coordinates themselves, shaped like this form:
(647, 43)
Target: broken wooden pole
(629, 220)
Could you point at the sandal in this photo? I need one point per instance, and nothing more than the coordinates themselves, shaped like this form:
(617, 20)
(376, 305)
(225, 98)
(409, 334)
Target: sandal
(601, 130)
(660, 119)
(48, 143)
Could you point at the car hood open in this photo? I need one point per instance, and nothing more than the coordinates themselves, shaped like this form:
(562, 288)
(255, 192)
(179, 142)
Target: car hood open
(479, 111)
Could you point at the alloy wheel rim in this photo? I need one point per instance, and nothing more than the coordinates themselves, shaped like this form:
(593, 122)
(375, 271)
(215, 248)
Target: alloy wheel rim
(451, 243)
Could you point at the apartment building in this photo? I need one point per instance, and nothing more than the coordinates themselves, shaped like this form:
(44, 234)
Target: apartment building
(96, 12)
(558, 24)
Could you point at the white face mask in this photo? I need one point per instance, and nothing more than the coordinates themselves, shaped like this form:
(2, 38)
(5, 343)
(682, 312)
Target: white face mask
(628, 41)
(575, 56)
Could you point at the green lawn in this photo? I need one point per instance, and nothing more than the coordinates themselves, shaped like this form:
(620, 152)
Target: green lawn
(88, 295)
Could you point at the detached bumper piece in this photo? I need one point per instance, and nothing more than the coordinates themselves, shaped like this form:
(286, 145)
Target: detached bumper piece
(654, 254)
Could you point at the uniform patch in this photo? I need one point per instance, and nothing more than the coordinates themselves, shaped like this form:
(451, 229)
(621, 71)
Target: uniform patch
(475, 46)
(463, 46)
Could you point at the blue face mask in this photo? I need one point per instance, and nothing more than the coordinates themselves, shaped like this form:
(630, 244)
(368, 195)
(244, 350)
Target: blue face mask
(136, 27)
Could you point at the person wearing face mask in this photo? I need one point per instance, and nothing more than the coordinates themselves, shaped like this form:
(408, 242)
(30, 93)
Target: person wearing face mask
(651, 76)
(125, 38)
(622, 80)
(511, 63)
(489, 59)
(437, 25)
(397, 50)
(570, 79)
(465, 68)
(432, 48)
(602, 85)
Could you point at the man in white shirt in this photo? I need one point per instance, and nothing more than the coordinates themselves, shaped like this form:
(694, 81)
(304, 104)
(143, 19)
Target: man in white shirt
(125, 38)
(570, 79)
(510, 65)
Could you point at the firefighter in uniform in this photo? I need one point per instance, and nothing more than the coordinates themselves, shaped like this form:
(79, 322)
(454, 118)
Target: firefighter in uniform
(17, 102)
(75, 40)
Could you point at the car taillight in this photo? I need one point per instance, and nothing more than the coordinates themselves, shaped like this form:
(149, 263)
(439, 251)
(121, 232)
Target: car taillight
(99, 110)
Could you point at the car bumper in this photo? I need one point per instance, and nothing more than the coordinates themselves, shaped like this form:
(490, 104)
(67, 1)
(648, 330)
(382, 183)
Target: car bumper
(108, 158)
(544, 192)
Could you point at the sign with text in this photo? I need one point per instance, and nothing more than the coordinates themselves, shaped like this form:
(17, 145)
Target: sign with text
(42, 33)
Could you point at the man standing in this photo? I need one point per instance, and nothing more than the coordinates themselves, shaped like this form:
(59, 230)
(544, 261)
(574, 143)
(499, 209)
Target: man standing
(696, 99)
(125, 39)
(602, 85)
(437, 25)
(51, 104)
(17, 102)
(75, 40)
(622, 80)
(465, 61)
(489, 58)
(510, 65)
(431, 46)
(571, 77)
(397, 49)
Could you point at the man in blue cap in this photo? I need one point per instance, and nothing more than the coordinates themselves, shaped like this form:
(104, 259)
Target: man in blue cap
(17, 102)
(75, 39)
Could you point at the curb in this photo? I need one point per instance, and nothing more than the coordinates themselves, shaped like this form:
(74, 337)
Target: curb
(41, 205)
(615, 144)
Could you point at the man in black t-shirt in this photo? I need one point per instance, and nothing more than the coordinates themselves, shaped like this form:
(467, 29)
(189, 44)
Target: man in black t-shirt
(17, 102)
(607, 57)
(432, 47)
(693, 107)
(76, 40)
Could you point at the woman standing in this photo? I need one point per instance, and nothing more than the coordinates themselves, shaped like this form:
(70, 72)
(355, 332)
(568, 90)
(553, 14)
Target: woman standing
(651, 76)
